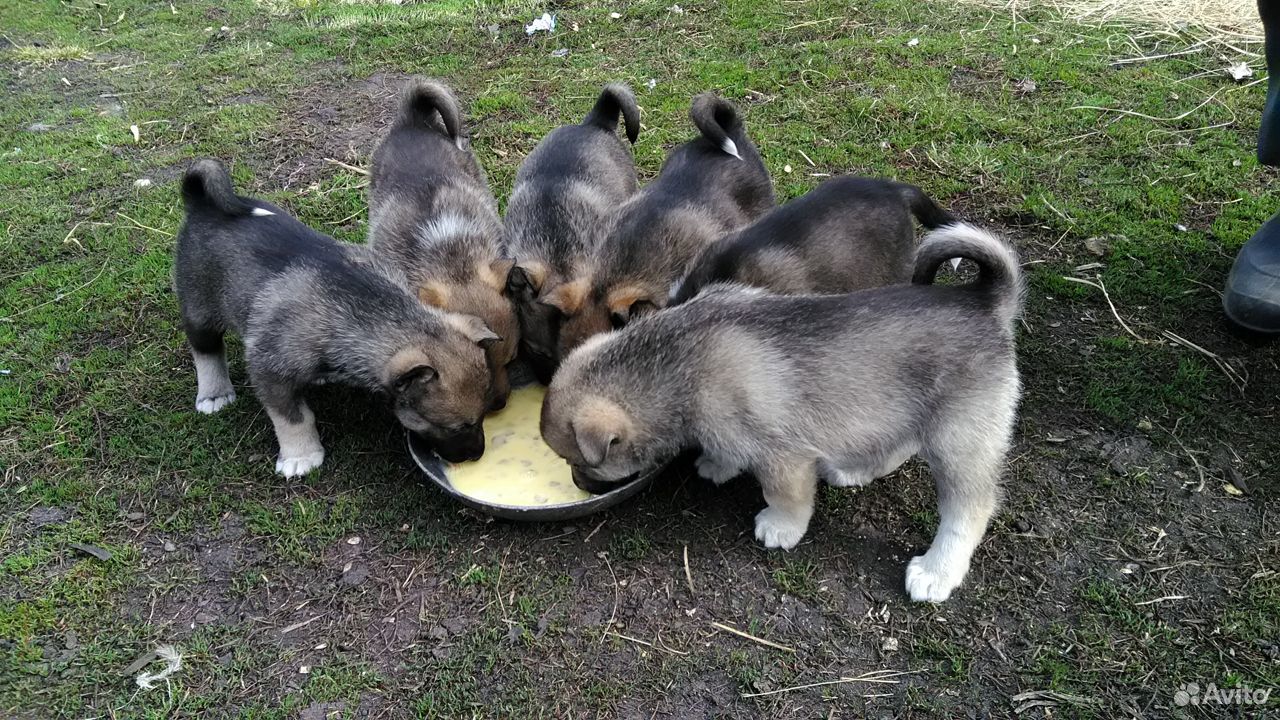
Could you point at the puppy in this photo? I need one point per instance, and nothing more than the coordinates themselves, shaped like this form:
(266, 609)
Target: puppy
(564, 193)
(793, 387)
(707, 187)
(849, 233)
(431, 214)
(308, 312)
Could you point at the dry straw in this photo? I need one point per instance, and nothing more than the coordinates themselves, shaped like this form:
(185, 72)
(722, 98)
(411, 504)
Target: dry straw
(1229, 22)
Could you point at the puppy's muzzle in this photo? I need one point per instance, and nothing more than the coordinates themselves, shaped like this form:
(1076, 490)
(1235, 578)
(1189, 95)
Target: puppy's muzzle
(498, 402)
(599, 487)
(500, 390)
(543, 366)
(463, 445)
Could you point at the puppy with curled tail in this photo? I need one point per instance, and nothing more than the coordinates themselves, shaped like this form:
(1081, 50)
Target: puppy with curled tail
(564, 193)
(432, 215)
(614, 100)
(795, 388)
(707, 187)
(312, 310)
(719, 124)
(849, 233)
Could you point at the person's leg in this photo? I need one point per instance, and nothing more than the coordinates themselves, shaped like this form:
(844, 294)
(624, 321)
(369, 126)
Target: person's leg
(1251, 300)
(1269, 132)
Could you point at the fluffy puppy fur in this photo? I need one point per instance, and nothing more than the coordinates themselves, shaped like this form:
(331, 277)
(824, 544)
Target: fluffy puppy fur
(790, 388)
(432, 215)
(707, 187)
(564, 193)
(849, 233)
(312, 310)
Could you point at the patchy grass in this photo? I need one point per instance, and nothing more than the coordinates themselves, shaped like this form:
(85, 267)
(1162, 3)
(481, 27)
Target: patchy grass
(46, 54)
(437, 612)
(798, 578)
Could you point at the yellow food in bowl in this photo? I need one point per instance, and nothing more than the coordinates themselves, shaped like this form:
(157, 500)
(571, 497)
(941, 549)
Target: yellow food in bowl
(517, 467)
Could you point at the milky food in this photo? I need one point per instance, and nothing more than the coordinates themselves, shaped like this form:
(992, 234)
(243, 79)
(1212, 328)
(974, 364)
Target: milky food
(517, 468)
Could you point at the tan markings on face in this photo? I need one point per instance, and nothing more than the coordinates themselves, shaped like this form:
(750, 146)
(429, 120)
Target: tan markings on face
(568, 297)
(461, 394)
(480, 300)
(402, 362)
(494, 273)
(484, 313)
(535, 271)
(499, 314)
(434, 294)
(592, 319)
(471, 326)
(621, 299)
(600, 425)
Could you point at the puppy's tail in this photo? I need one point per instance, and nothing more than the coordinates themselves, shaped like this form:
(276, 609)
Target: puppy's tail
(206, 187)
(717, 119)
(999, 272)
(615, 98)
(422, 101)
(927, 212)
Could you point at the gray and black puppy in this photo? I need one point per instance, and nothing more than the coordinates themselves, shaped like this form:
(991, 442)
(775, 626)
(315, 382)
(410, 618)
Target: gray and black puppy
(432, 215)
(565, 191)
(707, 187)
(790, 388)
(309, 311)
(849, 233)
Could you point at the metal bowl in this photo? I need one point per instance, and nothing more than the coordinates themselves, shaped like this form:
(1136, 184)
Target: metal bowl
(438, 470)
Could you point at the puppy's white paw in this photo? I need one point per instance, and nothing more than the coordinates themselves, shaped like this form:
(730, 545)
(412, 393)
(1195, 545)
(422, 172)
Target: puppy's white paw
(778, 529)
(300, 465)
(713, 470)
(927, 582)
(211, 405)
(841, 478)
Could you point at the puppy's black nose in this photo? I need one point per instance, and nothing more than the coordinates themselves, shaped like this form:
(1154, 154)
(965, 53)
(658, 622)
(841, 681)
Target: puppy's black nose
(465, 445)
(543, 367)
(474, 442)
(595, 487)
(497, 403)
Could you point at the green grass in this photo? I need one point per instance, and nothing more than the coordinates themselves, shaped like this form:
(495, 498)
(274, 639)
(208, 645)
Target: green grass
(95, 413)
(632, 544)
(46, 54)
(950, 659)
(303, 526)
(477, 575)
(798, 578)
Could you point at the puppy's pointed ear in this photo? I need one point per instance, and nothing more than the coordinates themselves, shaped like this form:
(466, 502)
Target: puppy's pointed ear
(630, 302)
(496, 273)
(567, 298)
(417, 373)
(599, 426)
(473, 327)
(406, 367)
(527, 275)
(594, 444)
(434, 294)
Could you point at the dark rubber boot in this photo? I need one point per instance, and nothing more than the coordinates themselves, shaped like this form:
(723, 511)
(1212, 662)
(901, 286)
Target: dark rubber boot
(1252, 297)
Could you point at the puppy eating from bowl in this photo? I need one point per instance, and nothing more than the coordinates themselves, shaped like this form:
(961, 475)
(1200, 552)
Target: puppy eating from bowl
(849, 233)
(432, 216)
(311, 310)
(564, 193)
(707, 187)
(793, 388)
